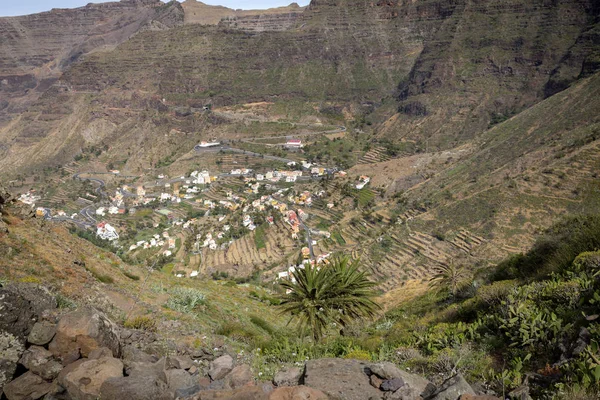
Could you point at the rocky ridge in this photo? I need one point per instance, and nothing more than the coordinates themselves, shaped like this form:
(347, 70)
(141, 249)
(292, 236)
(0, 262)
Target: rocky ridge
(82, 355)
(350, 52)
(197, 12)
(37, 48)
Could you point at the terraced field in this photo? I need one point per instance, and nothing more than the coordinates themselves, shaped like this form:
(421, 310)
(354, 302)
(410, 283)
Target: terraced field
(375, 155)
(243, 255)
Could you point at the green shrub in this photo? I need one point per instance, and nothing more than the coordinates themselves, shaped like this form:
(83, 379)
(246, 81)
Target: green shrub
(185, 299)
(358, 354)
(64, 302)
(496, 292)
(236, 331)
(144, 322)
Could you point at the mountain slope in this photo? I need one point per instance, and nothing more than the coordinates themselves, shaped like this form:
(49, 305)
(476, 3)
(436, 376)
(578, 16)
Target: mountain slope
(490, 60)
(526, 172)
(37, 48)
(434, 55)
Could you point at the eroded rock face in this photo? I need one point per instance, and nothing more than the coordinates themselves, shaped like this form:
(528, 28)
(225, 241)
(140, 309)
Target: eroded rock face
(340, 379)
(57, 38)
(82, 331)
(5, 198)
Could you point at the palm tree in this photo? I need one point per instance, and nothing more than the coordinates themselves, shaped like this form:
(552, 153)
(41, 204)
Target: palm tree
(451, 276)
(335, 293)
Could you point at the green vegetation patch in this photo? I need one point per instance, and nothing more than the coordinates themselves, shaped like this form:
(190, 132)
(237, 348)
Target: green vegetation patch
(337, 236)
(260, 236)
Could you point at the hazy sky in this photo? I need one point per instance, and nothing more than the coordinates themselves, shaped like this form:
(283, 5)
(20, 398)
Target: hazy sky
(22, 7)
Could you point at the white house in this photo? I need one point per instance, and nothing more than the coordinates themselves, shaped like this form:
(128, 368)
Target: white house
(106, 232)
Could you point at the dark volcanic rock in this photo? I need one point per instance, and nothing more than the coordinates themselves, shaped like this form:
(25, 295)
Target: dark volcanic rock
(39, 361)
(42, 333)
(28, 386)
(82, 331)
(84, 382)
(391, 385)
(21, 306)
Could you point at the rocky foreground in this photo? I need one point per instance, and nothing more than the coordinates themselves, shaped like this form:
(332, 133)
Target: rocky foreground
(52, 353)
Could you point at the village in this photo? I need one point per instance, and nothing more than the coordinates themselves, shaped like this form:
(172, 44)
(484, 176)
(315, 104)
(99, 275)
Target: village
(195, 222)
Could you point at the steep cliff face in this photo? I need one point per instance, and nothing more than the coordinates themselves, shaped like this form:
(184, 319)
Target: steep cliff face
(35, 49)
(197, 12)
(262, 22)
(454, 67)
(490, 60)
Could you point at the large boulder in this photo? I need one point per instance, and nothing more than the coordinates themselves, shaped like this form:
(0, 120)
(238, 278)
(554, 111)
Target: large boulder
(340, 379)
(288, 377)
(452, 389)
(28, 386)
(136, 387)
(220, 367)
(80, 332)
(39, 361)
(156, 370)
(84, 382)
(414, 386)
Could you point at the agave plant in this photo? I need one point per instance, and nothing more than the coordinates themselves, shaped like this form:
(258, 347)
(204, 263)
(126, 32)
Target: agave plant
(337, 293)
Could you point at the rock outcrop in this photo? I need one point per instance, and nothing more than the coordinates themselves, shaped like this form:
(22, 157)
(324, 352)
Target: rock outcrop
(20, 307)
